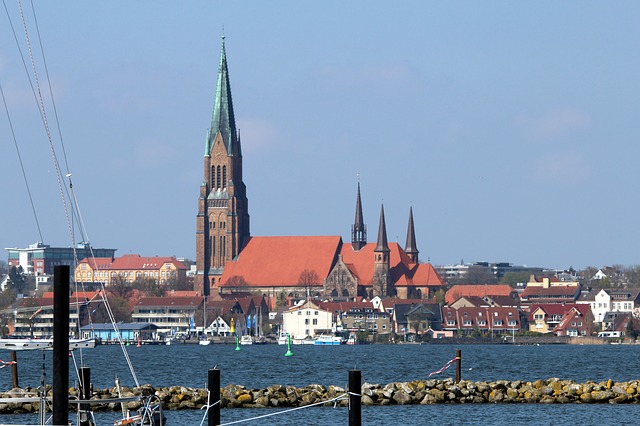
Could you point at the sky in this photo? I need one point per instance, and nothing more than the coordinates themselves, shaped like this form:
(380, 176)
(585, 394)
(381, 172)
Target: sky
(510, 128)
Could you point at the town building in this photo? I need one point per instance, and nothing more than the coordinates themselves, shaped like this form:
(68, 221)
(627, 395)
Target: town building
(129, 332)
(170, 314)
(569, 319)
(131, 268)
(39, 259)
(603, 301)
(467, 320)
(307, 319)
(491, 291)
(33, 316)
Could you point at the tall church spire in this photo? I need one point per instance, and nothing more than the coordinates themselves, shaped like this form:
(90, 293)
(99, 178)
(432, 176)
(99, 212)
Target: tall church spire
(359, 229)
(382, 245)
(222, 223)
(223, 119)
(410, 248)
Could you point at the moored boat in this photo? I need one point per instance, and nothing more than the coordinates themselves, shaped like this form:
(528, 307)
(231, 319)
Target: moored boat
(327, 340)
(246, 340)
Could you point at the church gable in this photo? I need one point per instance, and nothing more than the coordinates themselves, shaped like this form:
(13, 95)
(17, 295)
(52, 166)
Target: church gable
(341, 282)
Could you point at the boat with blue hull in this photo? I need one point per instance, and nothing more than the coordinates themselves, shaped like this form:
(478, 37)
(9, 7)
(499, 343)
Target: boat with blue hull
(327, 340)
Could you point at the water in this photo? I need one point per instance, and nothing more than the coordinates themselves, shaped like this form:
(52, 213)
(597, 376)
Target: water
(260, 366)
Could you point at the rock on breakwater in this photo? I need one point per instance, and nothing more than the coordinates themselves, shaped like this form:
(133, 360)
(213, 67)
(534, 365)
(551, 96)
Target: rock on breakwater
(550, 391)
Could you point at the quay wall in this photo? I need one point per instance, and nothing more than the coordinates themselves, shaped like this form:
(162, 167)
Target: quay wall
(549, 391)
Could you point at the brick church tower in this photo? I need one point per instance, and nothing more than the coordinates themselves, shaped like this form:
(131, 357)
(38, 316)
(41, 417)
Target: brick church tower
(222, 223)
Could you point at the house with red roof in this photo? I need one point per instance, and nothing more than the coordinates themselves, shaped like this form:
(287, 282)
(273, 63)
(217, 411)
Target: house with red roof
(569, 319)
(485, 320)
(130, 268)
(479, 290)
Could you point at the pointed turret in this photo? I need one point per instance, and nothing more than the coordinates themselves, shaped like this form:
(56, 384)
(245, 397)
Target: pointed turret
(223, 119)
(359, 229)
(411, 248)
(382, 245)
(381, 263)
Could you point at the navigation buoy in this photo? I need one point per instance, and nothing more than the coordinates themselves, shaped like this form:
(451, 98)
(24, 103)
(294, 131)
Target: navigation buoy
(237, 343)
(289, 353)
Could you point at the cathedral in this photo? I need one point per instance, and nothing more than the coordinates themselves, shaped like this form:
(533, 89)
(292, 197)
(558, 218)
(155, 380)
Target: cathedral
(230, 260)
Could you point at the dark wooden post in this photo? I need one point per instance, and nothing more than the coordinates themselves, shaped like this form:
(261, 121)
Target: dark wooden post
(355, 408)
(458, 365)
(85, 386)
(61, 345)
(213, 383)
(14, 369)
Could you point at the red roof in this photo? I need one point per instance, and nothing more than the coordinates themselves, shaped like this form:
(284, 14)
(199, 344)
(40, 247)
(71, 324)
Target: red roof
(137, 262)
(481, 290)
(279, 261)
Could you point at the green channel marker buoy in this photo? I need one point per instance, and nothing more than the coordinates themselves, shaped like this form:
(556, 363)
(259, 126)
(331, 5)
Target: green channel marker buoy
(237, 343)
(289, 353)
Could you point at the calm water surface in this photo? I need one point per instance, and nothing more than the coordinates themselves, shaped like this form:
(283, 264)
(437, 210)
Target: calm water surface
(260, 366)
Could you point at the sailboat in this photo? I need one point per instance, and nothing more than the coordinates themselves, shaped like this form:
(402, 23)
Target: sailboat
(204, 339)
(151, 412)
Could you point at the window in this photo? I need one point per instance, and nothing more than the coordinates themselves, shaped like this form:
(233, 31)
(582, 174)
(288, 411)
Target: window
(482, 323)
(497, 322)
(306, 321)
(315, 321)
(315, 313)
(467, 322)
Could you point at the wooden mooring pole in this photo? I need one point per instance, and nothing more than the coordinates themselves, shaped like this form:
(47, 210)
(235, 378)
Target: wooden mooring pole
(213, 383)
(61, 345)
(355, 407)
(14, 369)
(458, 365)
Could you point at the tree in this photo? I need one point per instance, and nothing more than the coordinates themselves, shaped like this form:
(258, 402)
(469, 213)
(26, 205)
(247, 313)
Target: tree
(439, 296)
(18, 280)
(515, 278)
(238, 284)
(379, 283)
(120, 308)
(477, 274)
(149, 287)
(308, 280)
(119, 286)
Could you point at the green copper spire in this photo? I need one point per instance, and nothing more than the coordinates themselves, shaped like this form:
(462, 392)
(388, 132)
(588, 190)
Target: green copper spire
(223, 119)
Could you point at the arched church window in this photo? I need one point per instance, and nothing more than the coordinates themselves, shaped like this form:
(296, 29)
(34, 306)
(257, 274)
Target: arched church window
(224, 177)
(218, 178)
(213, 177)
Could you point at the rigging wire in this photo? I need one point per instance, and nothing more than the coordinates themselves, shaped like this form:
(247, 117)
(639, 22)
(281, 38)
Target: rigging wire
(24, 175)
(70, 194)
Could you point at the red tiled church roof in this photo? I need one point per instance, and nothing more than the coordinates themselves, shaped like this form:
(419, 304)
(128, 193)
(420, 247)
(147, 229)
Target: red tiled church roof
(278, 261)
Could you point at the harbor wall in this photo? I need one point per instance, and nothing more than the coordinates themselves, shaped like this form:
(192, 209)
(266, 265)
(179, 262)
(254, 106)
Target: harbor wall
(549, 391)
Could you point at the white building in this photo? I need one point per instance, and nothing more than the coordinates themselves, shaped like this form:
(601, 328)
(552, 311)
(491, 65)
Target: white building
(611, 300)
(307, 319)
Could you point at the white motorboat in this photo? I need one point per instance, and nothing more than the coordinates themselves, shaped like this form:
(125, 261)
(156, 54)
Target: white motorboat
(246, 340)
(328, 340)
(30, 344)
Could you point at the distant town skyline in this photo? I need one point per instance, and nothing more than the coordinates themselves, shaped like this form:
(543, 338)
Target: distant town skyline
(509, 129)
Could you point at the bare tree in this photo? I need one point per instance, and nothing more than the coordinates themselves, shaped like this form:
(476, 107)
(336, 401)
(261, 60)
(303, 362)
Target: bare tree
(308, 280)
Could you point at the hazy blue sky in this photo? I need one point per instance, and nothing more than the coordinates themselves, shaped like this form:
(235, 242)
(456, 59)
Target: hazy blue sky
(510, 127)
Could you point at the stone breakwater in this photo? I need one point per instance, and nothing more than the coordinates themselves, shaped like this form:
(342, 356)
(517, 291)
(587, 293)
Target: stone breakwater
(550, 391)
